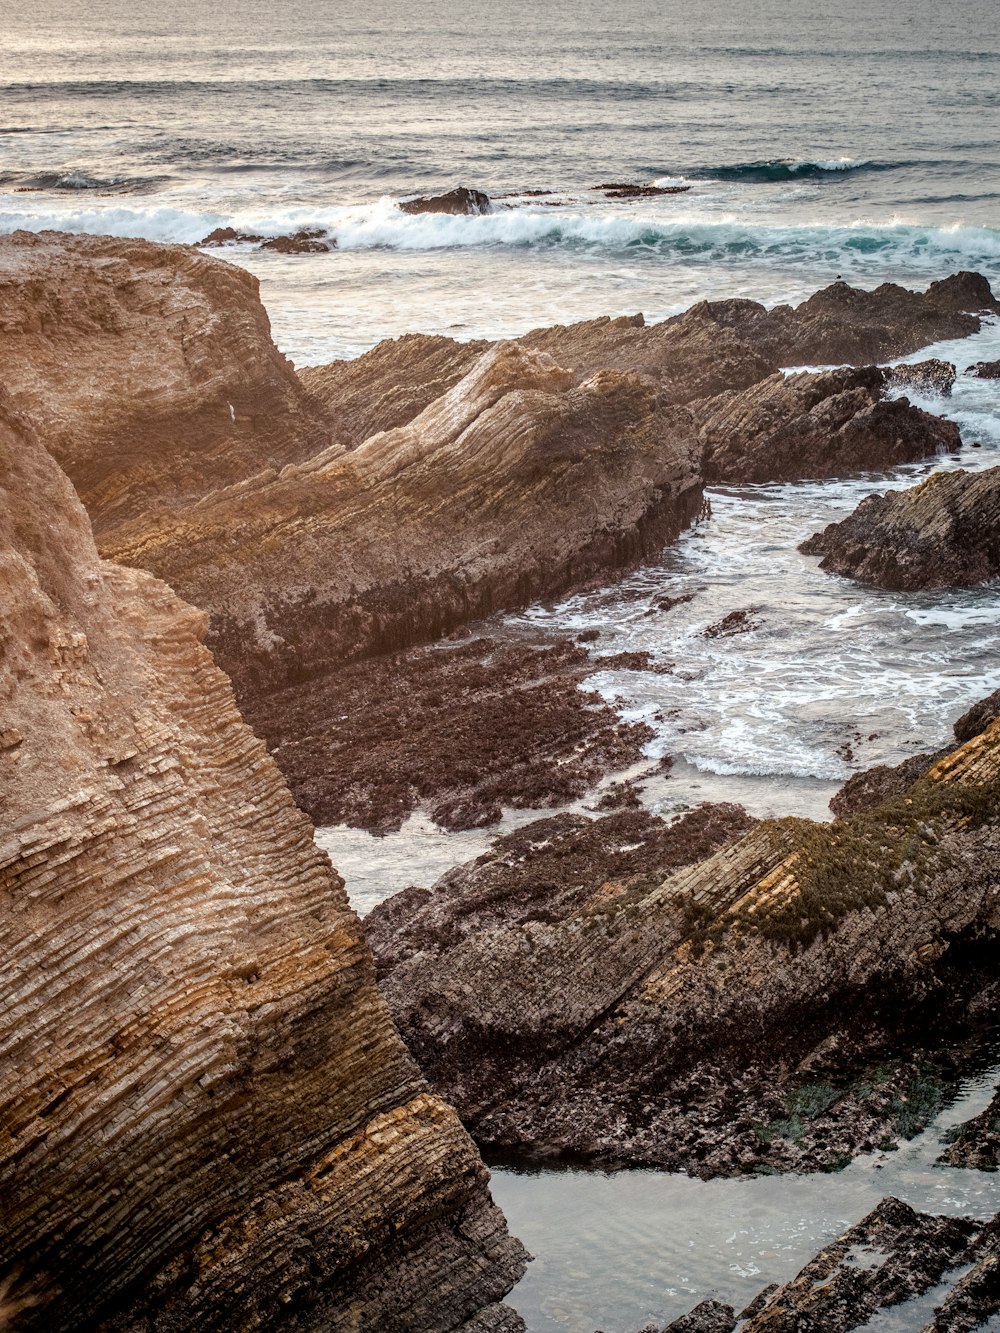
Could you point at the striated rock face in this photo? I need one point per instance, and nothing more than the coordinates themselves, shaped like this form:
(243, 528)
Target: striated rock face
(149, 370)
(944, 532)
(393, 383)
(206, 1118)
(830, 424)
(740, 1012)
(513, 485)
(461, 729)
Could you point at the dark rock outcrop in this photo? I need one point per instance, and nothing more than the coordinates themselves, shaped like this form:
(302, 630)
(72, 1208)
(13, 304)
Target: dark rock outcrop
(830, 424)
(943, 532)
(629, 190)
(311, 241)
(459, 729)
(207, 1118)
(458, 201)
(543, 873)
(984, 370)
(934, 376)
(747, 1011)
(978, 718)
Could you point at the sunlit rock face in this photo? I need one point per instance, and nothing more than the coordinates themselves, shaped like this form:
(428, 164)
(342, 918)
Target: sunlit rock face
(207, 1118)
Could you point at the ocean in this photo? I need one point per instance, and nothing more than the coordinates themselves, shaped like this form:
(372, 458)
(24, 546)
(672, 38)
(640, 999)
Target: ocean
(816, 142)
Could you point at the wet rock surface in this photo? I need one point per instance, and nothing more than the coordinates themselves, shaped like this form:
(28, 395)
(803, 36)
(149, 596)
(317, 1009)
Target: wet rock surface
(543, 872)
(793, 1000)
(460, 730)
(216, 1126)
(943, 532)
(985, 370)
(630, 190)
(933, 376)
(458, 201)
(827, 424)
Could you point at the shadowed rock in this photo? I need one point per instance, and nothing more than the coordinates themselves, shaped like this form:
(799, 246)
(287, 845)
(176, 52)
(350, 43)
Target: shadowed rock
(942, 533)
(831, 424)
(934, 376)
(984, 370)
(208, 1119)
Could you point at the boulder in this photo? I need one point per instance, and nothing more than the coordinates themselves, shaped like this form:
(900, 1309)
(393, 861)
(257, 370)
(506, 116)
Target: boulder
(458, 201)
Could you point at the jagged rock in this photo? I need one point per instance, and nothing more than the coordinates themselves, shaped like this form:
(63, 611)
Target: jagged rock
(984, 370)
(543, 872)
(708, 1317)
(974, 1301)
(149, 370)
(933, 376)
(207, 1118)
(311, 241)
(702, 1022)
(736, 622)
(229, 236)
(461, 731)
(628, 190)
(462, 200)
(892, 1254)
(515, 484)
(943, 532)
(393, 383)
(978, 718)
(976, 1142)
(827, 424)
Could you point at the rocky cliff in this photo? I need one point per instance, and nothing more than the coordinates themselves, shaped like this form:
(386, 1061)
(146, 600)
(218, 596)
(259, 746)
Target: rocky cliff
(749, 1010)
(207, 1120)
(943, 532)
(149, 369)
(513, 485)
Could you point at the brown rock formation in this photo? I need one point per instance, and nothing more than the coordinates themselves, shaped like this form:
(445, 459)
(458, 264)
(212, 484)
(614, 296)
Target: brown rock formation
(461, 730)
(984, 370)
(390, 385)
(934, 376)
(735, 1013)
(458, 201)
(206, 1118)
(149, 370)
(830, 424)
(944, 532)
(514, 485)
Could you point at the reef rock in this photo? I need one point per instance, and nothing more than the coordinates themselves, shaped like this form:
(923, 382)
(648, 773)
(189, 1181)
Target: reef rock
(149, 370)
(984, 370)
(749, 1010)
(831, 424)
(515, 484)
(461, 200)
(943, 532)
(206, 1117)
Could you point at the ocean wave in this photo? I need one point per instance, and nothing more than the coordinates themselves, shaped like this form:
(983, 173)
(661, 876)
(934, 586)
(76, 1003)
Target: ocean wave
(788, 169)
(59, 182)
(820, 768)
(691, 237)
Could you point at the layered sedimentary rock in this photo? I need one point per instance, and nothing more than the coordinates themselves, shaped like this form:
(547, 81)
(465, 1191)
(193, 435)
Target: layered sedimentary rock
(206, 1118)
(513, 485)
(749, 1010)
(943, 532)
(461, 729)
(150, 371)
(829, 424)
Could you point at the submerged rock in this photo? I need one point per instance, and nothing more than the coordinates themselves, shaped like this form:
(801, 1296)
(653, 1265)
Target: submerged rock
(629, 190)
(826, 424)
(747, 1011)
(461, 200)
(943, 532)
(208, 1119)
(311, 241)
